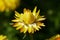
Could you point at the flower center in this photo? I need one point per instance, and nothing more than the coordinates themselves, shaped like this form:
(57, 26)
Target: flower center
(28, 17)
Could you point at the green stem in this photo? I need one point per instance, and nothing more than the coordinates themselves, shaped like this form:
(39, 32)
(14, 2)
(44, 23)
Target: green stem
(24, 36)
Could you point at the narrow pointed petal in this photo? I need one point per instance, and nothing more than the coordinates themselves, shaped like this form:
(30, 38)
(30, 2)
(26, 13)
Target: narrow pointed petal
(30, 29)
(40, 19)
(39, 27)
(15, 20)
(34, 11)
(37, 14)
(35, 27)
(16, 24)
(42, 24)
(25, 29)
(19, 27)
(17, 14)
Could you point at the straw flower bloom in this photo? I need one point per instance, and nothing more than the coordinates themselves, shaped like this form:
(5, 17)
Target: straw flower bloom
(56, 37)
(3, 37)
(8, 4)
(28, 21)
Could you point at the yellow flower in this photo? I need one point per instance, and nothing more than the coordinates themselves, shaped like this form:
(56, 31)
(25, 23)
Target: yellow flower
(28, 21)
(56, 37)
(8, 4)
(3, 37)
(2, 5)
(11, 4)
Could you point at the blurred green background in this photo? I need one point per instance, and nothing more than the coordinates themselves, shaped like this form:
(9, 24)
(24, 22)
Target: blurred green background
(49, 8)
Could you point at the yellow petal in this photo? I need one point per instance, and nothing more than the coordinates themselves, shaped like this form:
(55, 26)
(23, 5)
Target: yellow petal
(25, 29)
(33, 30)
(34, 11)
(42, 24)
(37, 14)
(15, 20)
(30, 29)
(17, 14)
(16, 24)
(35, 27)
(40, 19)
(3, 37)
(39, 27)
(19, 27)
(18, 19)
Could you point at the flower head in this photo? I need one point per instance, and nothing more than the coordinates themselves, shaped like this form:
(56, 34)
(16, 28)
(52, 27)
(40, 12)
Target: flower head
(8, 4)
(11, 4)
(56, 37)
(28, 21)
(3, 37)
(2, 5)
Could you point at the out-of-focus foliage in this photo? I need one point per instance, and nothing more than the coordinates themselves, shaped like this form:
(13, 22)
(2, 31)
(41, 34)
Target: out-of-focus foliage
(49, 8)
